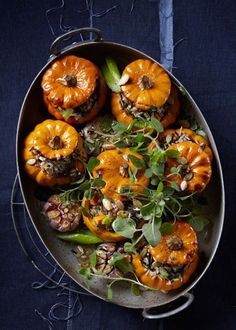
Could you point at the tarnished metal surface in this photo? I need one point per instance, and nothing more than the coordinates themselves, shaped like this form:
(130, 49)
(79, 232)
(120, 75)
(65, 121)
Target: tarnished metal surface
(32, 113)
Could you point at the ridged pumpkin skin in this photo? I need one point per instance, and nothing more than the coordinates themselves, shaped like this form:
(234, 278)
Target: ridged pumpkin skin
(194, 137)
(182, 256)
(40, 141)
(123, 116)
(199, 164)
(93, 224)
(58, 92)
(59, 95)
(109, 170)
(156, 282)
(157, 89)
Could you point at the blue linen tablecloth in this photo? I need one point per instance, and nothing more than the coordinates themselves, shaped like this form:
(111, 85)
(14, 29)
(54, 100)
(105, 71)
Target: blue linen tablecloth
(197, 39)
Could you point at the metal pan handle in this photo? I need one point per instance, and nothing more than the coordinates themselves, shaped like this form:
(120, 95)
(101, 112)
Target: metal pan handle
(188, 295)
(54, 46)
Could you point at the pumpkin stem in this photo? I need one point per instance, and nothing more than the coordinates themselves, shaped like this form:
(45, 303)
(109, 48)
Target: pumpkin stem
(174, 243)
(56, 143)
(71, 80)
(145, 83)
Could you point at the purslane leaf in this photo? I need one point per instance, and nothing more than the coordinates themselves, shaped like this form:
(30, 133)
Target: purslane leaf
(137, 162)
(152, 233)
(135, 289)
(124, 226)
(148, 210)
(167, 228)
(198, 222)
(67, 113)
(92, 163)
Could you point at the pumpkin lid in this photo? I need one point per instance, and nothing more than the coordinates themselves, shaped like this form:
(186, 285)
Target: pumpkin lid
(54, 139)
(147, 84)
(70, 81)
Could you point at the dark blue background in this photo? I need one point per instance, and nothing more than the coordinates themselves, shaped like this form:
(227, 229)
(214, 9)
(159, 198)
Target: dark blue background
(206, 65)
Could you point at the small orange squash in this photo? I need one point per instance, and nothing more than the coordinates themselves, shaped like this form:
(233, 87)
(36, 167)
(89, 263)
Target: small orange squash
(148, 84)
(167, 118)
(194, 167)
(113, 169)
(156, 281)
(172, 136)
(76, 84)
(52, 153)
(177, 248)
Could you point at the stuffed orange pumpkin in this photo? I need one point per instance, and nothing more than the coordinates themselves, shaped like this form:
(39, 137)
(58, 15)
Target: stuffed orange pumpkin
(157, 278)
(73, 89)
(173, 136)
(193, 166)
(177, 248)
(170, 264)
(52, 153)
(102, 211)
(125, 112)
(114, 169)
(146, 85)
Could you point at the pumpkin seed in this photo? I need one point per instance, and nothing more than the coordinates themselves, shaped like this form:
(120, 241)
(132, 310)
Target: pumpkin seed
(119, 204)
(183, 185)
(188, 176)
(168, 138)
(80, 250)
(124, 79)
(31, 161)
(42, 158)
(107, 204)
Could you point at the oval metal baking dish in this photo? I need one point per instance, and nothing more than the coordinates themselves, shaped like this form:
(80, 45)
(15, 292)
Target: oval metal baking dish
(33, 111)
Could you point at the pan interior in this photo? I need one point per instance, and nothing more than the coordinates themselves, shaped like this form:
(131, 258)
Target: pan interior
(33, 111)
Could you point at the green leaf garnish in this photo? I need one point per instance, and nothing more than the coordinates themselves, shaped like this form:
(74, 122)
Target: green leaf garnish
(119, 128)
(167, 228)
(135, 289)
(67, 113)
(152, 233)
(111, 74)
(148, 210)
(93, 259)
(124, 226)
(109, 292)
(98, 183)
(92, 163)
(137, 162)
(113, 68)
(129, 247)
(171, 153)
(119, 261)
(156, 124)
(89, 193)
(198, 222)
(182, 90)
